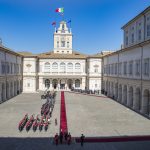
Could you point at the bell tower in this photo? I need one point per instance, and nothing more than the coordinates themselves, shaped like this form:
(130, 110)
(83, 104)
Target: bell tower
(63, 39)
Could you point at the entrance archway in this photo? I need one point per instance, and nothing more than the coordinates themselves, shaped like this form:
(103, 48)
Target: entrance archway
(47, 83)
(3, 92)
(70, 83)
(130, 97)
(55, 83)
(146, 102)
(125, 95)
(136, 101)
(11, 87)
(120, 93)
(116, 91)
(7, 90)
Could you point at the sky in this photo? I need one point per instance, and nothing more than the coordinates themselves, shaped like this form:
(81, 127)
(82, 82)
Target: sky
(25, 25)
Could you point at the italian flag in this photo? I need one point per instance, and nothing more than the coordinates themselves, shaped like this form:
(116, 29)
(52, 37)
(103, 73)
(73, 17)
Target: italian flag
(60, 10)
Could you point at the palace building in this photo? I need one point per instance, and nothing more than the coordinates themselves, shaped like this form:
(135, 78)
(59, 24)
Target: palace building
(62, 68)
(123, 75)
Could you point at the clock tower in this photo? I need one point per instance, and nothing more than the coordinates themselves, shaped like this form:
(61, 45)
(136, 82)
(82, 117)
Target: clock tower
(63, 39)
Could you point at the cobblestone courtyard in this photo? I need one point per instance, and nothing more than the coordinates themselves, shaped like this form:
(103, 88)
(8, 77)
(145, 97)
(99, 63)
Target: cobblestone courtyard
(93, 116)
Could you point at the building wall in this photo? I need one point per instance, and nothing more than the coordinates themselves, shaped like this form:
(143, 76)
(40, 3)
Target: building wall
(137, 31)
(29, 74)
(94, 73)
(127, 78)
(10, 74)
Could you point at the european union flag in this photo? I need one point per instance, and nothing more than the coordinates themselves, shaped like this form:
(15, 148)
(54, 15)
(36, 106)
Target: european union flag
(69, 21)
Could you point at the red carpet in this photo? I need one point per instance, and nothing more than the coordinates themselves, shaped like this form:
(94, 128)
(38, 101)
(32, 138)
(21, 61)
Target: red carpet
(114, 139)
(63, 117)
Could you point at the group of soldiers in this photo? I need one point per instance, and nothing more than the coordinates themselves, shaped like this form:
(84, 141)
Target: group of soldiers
(62, 138)
(46, 112)
(66, 138)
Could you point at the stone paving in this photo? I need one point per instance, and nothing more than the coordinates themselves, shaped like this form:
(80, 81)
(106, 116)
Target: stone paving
(99, 117)
(93, 116)
(13, 110)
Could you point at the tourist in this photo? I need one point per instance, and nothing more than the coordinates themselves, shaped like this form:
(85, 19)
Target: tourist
(82, 139)
(69, 139)
(56, 139)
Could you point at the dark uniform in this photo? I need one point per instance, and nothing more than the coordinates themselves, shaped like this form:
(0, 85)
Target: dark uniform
(82, 139)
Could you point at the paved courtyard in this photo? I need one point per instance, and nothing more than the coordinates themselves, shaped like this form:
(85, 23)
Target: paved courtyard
(98, 116)
(93, 116)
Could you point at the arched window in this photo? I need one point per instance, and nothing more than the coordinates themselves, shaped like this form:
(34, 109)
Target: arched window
(47, 67)
(77, 83)
(68, 44)
(57, 44)
(96, 68)
(77, 66)
(54, 66)
(70, 67)
(62, 67)
(47, 83)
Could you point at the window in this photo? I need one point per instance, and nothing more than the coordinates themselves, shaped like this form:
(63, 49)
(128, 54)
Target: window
(146, 67)
(63, 28)
(77, 66)
(12, 68)
(96, 68)
(139, 35)
(95, 85)
(47, 67)
(77, 83)
(47, 83)
(120, 68)
(62, 43)
(7, 68)
(132, 37)
(70, 66)
(54, 66)
(3, 67)
(130, 68)
(57, 44)
(148, 30)
(116, 68)
(67, 44)
(28, 84)
(62, 67)
(126, 40)
(125, 68)
(137, 67)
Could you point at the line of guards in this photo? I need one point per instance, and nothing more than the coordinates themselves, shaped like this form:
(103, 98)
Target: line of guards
(43, 121)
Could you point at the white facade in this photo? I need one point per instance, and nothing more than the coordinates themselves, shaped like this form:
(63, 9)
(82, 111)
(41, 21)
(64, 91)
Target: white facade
(63, 39)
(126, 73)
(62, 68)
(94, 73)
(10, 74)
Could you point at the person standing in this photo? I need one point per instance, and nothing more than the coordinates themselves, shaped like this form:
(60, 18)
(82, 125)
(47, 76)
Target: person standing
(56, 139)
(66, 135)
(69, 139)
(61, 137)
(82, 139)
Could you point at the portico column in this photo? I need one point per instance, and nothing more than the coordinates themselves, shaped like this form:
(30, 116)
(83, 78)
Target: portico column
(0, 92)
(51, 85)
(83, 83)
(41, 83)
(74, 83)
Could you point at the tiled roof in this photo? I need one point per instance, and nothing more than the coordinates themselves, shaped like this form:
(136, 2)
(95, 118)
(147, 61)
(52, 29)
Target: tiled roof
(52, 55)
(24, 53)
(5, 49)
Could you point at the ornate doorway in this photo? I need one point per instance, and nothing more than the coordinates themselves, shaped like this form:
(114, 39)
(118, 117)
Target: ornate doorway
(55, 83)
